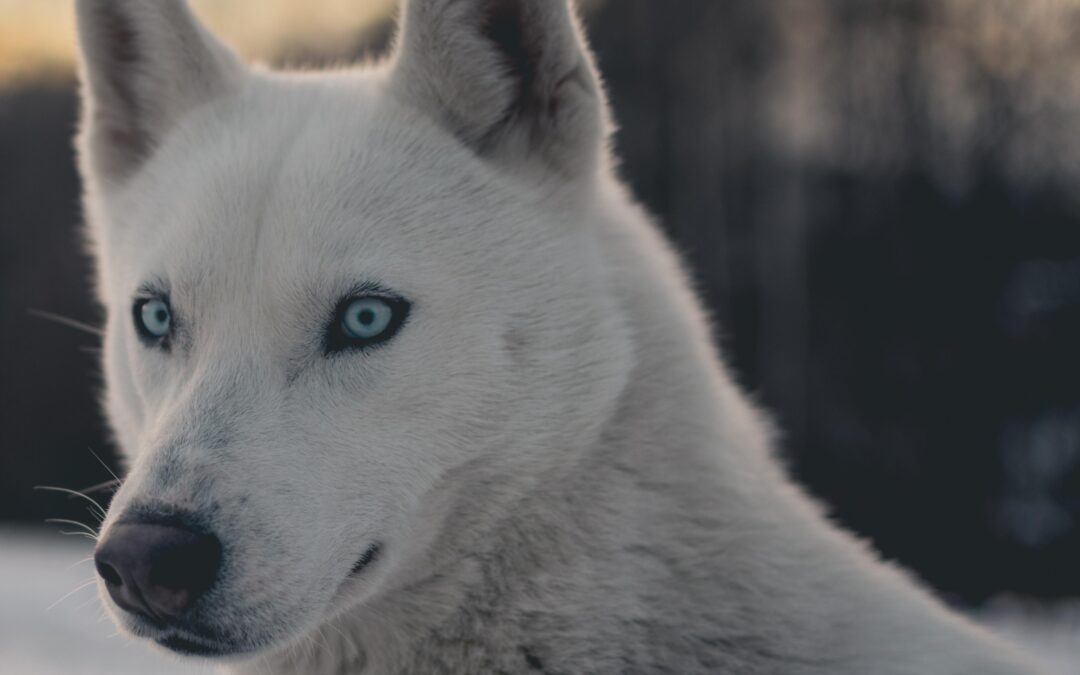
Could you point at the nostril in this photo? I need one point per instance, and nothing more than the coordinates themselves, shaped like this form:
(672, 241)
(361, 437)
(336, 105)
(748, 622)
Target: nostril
(108, 573)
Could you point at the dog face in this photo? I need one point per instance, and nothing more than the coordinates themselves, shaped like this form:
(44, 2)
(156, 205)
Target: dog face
(345, 310)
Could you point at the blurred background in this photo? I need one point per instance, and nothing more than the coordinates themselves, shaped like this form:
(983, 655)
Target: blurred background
(878, 200)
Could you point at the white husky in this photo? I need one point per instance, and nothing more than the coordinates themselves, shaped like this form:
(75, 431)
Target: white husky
(408, 384)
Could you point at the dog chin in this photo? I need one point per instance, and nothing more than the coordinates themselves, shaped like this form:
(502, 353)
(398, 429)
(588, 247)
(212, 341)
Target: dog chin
(193, 641)
(188, 643)
(183, 645)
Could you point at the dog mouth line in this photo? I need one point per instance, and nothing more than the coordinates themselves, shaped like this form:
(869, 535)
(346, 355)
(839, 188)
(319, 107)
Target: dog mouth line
(188, 646)
(366, 559)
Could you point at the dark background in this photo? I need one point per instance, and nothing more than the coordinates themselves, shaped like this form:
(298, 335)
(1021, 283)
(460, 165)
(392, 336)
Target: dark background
(879, 201)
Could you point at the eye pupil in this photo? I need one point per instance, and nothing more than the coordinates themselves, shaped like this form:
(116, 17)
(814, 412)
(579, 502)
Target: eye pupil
(162, 316)
(366, 317)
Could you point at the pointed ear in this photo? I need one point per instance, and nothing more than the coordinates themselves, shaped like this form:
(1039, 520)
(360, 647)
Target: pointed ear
(512, 79)
(144, 65)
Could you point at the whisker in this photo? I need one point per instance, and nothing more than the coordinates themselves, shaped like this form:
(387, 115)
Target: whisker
(309, 647)
(66, 321)
(325, 642)
(93, 598)
(102, 463)
(264, 664)
(73, 493)
(70, 593)
(68, 533)
(78, 562)
(112, 483)
(65, 521)
(347, 640)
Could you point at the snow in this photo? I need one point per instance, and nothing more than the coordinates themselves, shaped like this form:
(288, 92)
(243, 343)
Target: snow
(52, 624)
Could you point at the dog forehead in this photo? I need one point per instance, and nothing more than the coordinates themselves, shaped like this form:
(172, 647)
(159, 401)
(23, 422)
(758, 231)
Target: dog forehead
(315, 160)
(301, 180)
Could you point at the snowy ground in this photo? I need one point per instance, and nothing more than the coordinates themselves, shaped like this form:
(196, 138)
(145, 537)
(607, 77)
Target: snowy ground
(45, 632)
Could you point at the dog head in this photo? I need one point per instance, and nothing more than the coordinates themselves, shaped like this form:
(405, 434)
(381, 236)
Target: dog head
(346, 311)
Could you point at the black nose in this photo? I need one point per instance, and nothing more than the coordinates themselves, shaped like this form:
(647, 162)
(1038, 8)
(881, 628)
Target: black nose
(157, 570)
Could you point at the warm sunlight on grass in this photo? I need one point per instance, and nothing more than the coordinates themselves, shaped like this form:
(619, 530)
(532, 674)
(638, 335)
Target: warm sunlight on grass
(37, 37)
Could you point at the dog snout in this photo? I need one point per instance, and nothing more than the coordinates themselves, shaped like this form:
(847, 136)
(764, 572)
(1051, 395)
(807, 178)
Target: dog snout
(157, 570)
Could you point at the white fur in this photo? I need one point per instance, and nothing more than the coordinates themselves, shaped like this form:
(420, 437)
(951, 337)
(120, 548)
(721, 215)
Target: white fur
(561, 473)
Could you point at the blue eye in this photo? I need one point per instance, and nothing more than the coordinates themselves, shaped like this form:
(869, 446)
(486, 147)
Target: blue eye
(367, 318)
(153, 319)
(365, 321)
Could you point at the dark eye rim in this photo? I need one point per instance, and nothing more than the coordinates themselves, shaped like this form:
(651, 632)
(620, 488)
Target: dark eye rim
(148, 338)
(336, 340)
